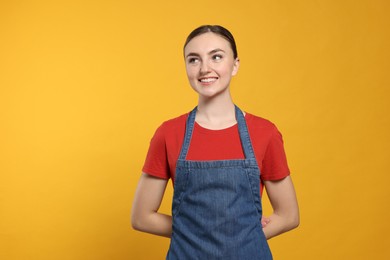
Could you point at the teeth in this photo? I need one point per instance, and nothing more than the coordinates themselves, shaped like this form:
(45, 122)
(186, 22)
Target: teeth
(208, 80)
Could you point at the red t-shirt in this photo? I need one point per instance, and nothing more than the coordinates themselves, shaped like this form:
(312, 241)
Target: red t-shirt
(221, 144)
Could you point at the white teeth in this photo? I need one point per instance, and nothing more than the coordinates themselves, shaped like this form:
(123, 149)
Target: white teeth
(206, 80)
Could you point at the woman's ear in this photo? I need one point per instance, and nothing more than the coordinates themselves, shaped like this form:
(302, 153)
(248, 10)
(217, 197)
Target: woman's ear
(236, 65)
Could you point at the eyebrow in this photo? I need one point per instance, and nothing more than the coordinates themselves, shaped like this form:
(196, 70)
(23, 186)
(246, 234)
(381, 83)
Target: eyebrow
(209, 53)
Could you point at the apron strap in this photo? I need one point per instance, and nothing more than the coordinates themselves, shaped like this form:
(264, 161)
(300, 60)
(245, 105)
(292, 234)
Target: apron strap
(244, 135)
(187, 137)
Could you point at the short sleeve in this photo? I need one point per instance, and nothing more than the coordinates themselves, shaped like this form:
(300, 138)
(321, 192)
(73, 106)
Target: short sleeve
(275, 165)
(156, 162)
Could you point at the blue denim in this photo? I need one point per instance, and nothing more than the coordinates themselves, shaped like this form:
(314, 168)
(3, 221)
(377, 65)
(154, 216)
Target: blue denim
(216, 205)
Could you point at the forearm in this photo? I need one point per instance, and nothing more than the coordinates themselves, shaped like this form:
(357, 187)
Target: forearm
(145, 216)
(285, 214)
(154, 223)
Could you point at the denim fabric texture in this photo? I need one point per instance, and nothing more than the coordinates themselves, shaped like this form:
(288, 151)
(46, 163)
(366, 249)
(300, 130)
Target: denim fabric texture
(216, 206)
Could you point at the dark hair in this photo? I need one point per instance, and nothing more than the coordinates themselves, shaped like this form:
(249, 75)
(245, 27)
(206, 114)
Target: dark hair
(217, 29)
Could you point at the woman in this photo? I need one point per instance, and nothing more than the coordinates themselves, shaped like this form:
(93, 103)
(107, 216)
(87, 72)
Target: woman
(214, 156)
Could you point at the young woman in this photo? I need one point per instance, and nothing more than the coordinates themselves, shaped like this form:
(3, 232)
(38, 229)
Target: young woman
(219, 159)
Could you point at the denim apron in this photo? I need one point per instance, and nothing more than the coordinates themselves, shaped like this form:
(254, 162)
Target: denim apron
(216, 206)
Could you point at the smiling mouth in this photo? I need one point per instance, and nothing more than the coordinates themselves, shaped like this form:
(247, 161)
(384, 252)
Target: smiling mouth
(207, 80)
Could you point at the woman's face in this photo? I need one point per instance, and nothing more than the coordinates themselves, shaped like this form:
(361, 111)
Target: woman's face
(210, 64)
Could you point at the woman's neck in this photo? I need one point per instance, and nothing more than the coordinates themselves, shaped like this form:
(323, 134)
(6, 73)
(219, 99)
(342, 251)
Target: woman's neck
(216, 113)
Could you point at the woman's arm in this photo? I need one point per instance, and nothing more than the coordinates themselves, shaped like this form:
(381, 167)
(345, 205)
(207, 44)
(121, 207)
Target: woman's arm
(285, 214)
(147, 201)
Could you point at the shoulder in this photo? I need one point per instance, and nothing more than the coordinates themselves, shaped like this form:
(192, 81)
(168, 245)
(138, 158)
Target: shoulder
(258, 123)
(167, 134)
(171, 128)
(174, 123)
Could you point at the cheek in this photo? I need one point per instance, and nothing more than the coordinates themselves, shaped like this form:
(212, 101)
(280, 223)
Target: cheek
(225, 71)
(232, 70)
(191, 72)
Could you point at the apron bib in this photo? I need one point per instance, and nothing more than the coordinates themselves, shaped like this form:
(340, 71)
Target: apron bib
(216, 208)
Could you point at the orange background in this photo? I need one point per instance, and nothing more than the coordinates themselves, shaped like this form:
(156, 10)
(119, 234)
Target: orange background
(84, 85)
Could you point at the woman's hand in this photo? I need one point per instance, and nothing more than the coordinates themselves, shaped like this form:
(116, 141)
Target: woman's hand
(147, 201)
(265, 221)
(285, 214)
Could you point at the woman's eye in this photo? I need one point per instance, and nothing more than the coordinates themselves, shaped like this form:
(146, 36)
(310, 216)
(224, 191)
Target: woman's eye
(193, 60)
(217, 57)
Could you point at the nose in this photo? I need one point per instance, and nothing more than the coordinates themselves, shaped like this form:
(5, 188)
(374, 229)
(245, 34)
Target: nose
(204, 68)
